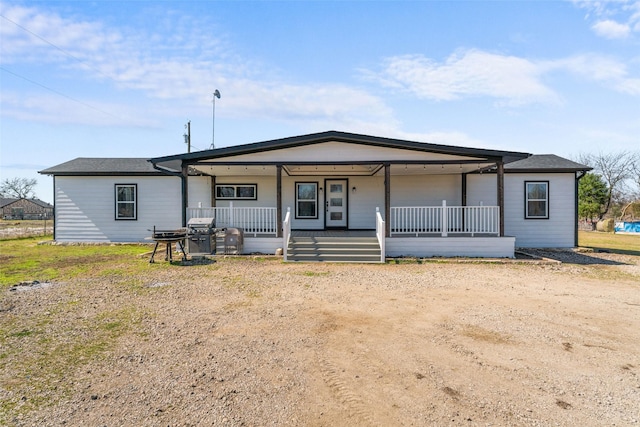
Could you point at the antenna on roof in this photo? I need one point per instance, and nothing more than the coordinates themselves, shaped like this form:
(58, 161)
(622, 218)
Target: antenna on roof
(216, 94)
(187, 136)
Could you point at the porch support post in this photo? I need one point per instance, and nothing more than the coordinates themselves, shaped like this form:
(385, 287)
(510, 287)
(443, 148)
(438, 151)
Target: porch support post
(500, 178)
(213, 191)
(464, 200)
(579, 176)
(387, 199)
(185, 193)
(464, 189)
(279, 200)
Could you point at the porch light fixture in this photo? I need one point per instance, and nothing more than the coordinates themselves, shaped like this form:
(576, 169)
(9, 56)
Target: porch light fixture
(353, 190)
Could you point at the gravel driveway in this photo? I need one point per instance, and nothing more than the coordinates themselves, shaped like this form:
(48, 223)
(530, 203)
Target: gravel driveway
(254, 342)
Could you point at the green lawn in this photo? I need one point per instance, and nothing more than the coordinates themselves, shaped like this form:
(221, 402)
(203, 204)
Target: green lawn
(26, 260)
(617, 243)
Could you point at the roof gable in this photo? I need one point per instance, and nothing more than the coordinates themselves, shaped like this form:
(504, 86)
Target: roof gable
(349, 139)
(338, 151)
(7, 201)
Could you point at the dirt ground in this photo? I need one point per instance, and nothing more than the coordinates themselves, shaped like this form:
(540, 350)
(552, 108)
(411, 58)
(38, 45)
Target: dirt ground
(257, 342)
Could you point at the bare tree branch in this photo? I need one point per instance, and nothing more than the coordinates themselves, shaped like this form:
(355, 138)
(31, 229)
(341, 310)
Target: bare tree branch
(19, 188)
(616, 169)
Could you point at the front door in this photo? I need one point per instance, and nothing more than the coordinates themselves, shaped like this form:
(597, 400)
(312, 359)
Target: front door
(336, 203)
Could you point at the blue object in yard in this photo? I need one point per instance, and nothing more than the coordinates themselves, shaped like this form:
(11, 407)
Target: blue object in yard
(627, 227)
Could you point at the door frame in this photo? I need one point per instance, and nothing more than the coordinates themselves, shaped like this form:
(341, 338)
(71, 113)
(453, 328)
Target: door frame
(345, 201)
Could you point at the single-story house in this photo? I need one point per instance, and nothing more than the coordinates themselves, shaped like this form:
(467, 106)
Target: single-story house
(408, 198)
(13, 208)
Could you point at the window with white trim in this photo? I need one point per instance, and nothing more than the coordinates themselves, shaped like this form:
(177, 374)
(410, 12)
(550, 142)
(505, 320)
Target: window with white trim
(536, 199)
(126, 202)
(307, 200)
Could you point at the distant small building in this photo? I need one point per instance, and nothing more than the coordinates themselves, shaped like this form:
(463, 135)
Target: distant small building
(25, 209)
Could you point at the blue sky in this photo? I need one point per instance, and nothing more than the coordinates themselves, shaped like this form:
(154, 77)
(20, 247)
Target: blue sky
(122, 78)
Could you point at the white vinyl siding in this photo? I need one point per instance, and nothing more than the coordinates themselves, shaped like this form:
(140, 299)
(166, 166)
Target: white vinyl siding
(85, 208)
(332, 151)
(199, 191)
(556, 232)
(497, 247)
(368, 196)
(426, 190)
(482, 190)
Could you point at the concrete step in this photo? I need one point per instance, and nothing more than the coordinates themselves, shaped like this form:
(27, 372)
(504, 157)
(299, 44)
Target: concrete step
(334, 249)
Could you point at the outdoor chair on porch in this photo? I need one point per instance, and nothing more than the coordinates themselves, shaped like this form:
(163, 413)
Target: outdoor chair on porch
(233, 240)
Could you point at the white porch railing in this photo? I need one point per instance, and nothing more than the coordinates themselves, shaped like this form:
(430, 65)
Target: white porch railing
(253, 220)
(380, 234)
(286, 233)
(445, 220)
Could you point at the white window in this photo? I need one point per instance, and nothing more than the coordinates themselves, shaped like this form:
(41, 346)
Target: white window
(307, 200)
(536, 199)
(126, 201)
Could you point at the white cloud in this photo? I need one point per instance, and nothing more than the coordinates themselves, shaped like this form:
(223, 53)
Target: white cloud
(176, 66)
(511, 80)
(611, 29)
(601, 69)
(618, 19)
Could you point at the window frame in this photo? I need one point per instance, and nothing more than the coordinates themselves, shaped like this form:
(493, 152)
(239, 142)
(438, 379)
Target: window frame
(527, 200)
(134, 202)
(235, 192)
(314, 200)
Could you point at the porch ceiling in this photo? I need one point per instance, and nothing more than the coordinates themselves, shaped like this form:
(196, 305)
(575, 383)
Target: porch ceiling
(342, 169)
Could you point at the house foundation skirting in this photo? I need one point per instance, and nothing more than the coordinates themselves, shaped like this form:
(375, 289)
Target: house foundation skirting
(475, 247)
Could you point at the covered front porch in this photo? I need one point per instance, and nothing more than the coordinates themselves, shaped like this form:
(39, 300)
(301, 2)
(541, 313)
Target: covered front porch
(424, 231)
(419, 199)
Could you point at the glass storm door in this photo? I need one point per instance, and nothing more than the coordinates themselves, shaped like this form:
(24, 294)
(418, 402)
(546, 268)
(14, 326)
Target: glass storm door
(336, 203)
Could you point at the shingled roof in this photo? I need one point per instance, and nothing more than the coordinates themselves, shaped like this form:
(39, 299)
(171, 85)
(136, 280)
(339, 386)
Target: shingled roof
(103, 166)
(545, 163)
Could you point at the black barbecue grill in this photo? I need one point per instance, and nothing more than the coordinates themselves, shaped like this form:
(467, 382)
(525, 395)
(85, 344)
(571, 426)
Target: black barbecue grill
(201, 236)
(168, 237)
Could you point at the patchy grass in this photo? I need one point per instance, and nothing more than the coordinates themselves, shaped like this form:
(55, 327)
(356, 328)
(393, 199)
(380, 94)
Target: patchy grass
(315, 273)
(39, 351)
(57, 348)
(616, 243)
(26, 260)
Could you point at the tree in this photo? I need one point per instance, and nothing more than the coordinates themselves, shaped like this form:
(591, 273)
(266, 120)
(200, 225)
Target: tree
(636, 176)
(592, 198)
(615, 169)
(18, 188)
